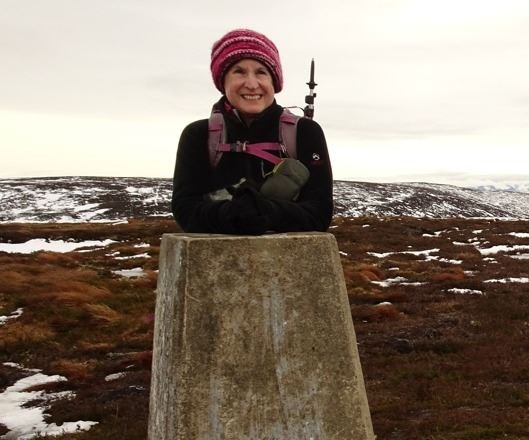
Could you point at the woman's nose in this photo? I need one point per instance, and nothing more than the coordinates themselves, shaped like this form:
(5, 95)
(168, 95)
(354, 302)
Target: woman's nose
(251, 82)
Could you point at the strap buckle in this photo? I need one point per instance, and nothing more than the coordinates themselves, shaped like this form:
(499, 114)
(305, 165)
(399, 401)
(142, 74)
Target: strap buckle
(238, 147)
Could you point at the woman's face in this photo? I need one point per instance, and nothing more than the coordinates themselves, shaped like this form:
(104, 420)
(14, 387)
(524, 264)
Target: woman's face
(249, 86)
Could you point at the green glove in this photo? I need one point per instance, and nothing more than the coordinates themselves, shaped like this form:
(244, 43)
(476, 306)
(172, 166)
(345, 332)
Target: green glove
(286, 180)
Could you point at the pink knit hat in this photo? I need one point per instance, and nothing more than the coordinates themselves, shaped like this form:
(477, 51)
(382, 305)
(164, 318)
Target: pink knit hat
(244, 43)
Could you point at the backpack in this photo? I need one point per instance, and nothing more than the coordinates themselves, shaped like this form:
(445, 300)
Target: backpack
(217, 136)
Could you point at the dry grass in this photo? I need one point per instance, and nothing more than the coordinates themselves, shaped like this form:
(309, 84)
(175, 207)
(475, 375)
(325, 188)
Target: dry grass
(438, 365)
(450, 274)
(74, 371)
(102, 314)
(19, 335)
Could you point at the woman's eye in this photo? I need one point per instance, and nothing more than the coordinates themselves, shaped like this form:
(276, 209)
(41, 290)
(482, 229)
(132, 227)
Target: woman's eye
(236, 70)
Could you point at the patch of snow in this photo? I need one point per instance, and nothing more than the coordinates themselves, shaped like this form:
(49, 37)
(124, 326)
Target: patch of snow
(446, 260)
(114, 376)
(86, 207)
(137, 387)
(41, 244)
(27, 422)
(20, 367)
(112, 222)
(135, 190)
(384, 303)
(14, 315)
(85, 251)
(87, 216)
(128, 257)
(381, 254)
(519, 234)
(426, 252)
(520, 256)
(502, 248)
(343, 253)
(465, 291)
(477, 231)
(390, 281)
(142, 245)
(418, 253)
(401, 281)
(130, 273)
(508, 280)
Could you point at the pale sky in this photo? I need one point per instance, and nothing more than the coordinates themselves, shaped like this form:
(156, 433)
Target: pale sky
(430, 90)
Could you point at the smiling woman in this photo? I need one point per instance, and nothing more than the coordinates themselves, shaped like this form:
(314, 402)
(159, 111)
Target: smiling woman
(252, 167)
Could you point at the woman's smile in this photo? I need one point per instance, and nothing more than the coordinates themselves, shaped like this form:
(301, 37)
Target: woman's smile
(252, 97)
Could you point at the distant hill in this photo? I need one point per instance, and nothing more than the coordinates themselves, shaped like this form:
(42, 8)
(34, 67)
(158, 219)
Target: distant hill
(506, 186)
(427, 200)
(100, 199)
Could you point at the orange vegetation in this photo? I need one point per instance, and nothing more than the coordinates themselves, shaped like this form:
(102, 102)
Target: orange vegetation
(438, 365)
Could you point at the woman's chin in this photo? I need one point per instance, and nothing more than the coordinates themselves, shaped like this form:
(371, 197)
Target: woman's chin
(251, 109)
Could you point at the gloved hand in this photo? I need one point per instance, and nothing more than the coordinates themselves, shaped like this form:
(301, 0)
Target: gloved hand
(242, 216)
(286, 181)
(266, 207)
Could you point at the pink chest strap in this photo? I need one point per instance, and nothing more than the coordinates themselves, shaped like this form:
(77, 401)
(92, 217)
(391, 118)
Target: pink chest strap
(258, 149)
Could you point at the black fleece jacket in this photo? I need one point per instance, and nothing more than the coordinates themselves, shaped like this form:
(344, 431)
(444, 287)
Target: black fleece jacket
(249, 212)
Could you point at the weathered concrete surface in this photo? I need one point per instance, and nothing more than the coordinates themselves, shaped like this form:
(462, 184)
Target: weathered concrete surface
(254, 340)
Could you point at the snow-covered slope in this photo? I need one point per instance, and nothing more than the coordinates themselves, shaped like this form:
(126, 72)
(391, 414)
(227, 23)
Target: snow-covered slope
(83, 199)
(427, 200)
(98, 199)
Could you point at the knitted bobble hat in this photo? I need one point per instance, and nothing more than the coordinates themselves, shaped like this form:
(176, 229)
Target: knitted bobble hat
(244, 43)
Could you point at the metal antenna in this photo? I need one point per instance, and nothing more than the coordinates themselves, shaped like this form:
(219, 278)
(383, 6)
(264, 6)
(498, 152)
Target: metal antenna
(309, 99)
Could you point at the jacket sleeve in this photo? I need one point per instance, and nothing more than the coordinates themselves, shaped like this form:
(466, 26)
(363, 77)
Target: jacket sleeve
(191, 210)
(313, 209)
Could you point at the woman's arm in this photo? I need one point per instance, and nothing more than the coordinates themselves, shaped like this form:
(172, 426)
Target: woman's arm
(193, 210)
(190, 182)
(313, 209)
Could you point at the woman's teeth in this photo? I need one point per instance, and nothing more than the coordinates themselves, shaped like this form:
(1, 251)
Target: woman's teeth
(251, 97)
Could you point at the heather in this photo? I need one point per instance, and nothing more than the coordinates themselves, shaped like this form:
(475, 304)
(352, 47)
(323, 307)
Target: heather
(440, 308)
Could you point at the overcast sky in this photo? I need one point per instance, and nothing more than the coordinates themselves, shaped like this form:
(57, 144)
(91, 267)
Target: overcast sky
(434, 90)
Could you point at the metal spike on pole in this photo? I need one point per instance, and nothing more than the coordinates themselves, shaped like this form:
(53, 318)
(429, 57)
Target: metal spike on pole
(309, 99)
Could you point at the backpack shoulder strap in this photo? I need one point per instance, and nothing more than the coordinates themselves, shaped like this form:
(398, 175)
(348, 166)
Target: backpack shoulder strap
(288, 127)
(288, 123)
(216, 136)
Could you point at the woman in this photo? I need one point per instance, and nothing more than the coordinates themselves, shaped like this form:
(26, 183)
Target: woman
(238, 192)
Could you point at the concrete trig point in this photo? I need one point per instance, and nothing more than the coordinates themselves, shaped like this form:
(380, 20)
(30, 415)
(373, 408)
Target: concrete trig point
(254, 340)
